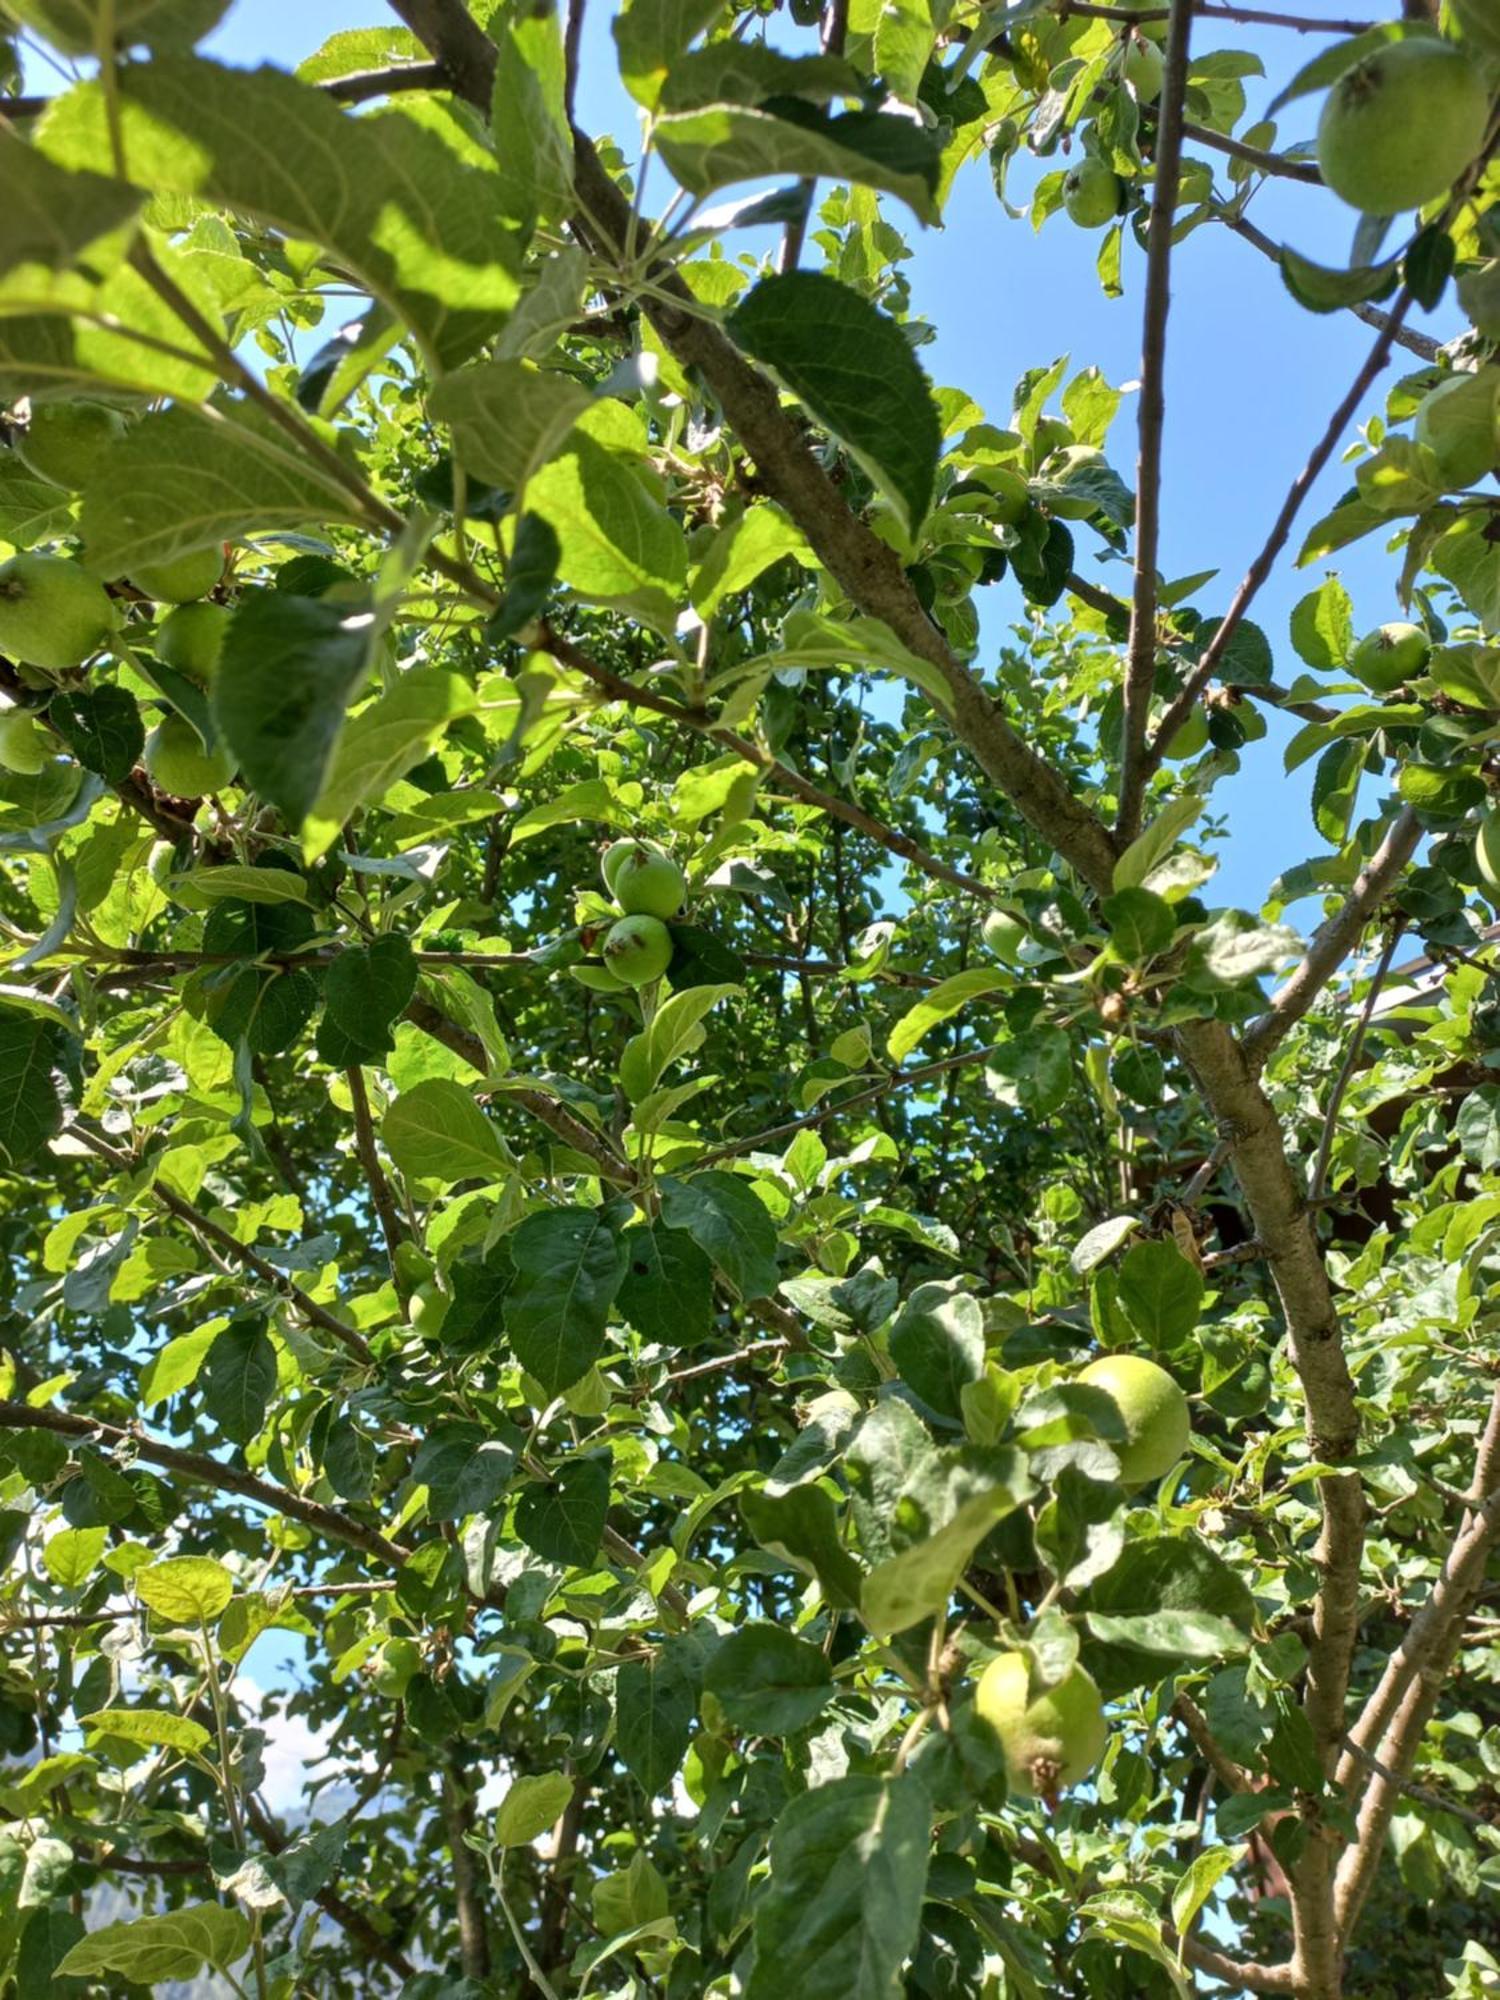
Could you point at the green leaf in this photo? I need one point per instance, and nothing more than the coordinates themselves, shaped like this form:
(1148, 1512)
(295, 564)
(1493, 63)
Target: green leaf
(1184, 1636)
(1156, 842)
(464, 1468)
(405, 200)
(569, 1262)
(803, 1526)
(1335, 788)
(1162, 1578)
(730, 1224)
(842, 1910)
(1325, 290)
(1198, 1883)
(1330, 64)
(1323, 626)
(667, 1292)
(564, 1522)
(938, 1345)
(1160, 1292)
(436, 1132)
(1102, 1241)
(31, 509)
(855, 371)
(767, 1680)
(1140, 924)
(741, 551)
(149, 1950)
(71, 1556)
(656, 1708)
(285, 676)
(528, 112)
(675, 1030)
(157, 1727)
(52, 216)
(183, 479)
(944, 1001)
(531, 1805)
(240, 1379)
(367, 988)
(619, 544)
(30, 1110)
(73, 25)
(103, 729)
(716, 145)
(187, 1590)
(380, 744)
(508, 418)
(961, 1493)
(651, 34)
(176, 1366)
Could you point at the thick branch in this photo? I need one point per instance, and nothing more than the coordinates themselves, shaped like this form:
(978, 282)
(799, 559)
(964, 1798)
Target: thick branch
(1182, 707)
(1333, 941)
(240, 1253)
(1140, 669)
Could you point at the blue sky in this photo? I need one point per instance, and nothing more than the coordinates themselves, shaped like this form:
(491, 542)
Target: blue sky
(1252, 378)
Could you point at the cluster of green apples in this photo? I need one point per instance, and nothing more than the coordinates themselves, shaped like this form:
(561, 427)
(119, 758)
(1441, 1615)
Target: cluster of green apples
(56, 615)
(649, 889)
(1054, 1739)
(1093, 193)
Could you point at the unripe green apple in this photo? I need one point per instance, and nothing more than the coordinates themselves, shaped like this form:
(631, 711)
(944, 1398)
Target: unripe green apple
(1155, 1413)
(394, 1666)
(23, 747)
(177, 763)
(1390, 655)
(1143, 68)
(62, 441)
(1189, 739)
(428, 1310)
(1457, 423)
(1400, 126)
(638, 949)
(191, 638)
(1003, 935)
(1093, 193)
(183, 579)
(649, 885)
(1050, 1743)
(1487, 849)
(619, 852)
(52, 612)
(1012, 494)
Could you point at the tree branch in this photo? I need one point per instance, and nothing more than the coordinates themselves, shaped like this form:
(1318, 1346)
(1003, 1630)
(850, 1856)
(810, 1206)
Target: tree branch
(1254, 156)
(1346, 1067)
(241, 1253)
(354, 1922)
(1182, 706)
(1333, 941)
(1415, 343)
(1209, 10)
(381, 1198)
(1140, 669)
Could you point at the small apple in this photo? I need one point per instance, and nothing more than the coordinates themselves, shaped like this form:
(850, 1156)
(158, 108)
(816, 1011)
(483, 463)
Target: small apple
(1143, 68)
(619, 852)
(1004, 935)
(427, 1310)
(1012, 494)
(23, 747)
(1051, 1742)
(638, 949)
(1154, 1409)
(1093, 193)
(52, 612)
(1390, 655)
(648, 884)
(394, 1666)
(1189, 739)
(191, 638)
(181, 579)
(62, 441)
(1400, 126)
(177, 763)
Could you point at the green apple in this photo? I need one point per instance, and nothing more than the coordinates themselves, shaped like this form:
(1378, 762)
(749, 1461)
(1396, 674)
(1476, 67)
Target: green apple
(1154, 1409)
(1012, 494)
(191, 638)
(649, 885)
(1400, 126)
(1190, 739)
(638, 950)
(23, 747)
(1487, 849)
(1390, 655)
(1459, 422)
(619, 852)
(1093, 193)
(1051, 1741)
(1003, 935)
(182, 579)
(1143, 68)
(52, 612)
(177, 763)
(62, 441)
(394, 1666)
(427, 1310)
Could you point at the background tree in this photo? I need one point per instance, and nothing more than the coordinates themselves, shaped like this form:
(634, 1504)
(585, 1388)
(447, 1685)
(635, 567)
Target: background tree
(688, 1362)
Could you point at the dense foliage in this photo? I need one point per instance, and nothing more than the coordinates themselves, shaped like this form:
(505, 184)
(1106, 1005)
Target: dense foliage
(615, 1355)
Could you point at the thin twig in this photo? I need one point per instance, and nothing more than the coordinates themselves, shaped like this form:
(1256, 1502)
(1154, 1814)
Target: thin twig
(1254, 156)
(383, 1201)
(1346, 1068)
(1421, 344)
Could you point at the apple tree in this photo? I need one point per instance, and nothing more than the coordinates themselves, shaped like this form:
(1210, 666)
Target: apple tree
(661, 1246)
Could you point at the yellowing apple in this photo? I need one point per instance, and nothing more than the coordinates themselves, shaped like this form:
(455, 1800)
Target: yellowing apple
(1051, 1742)
(1154, 1410)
